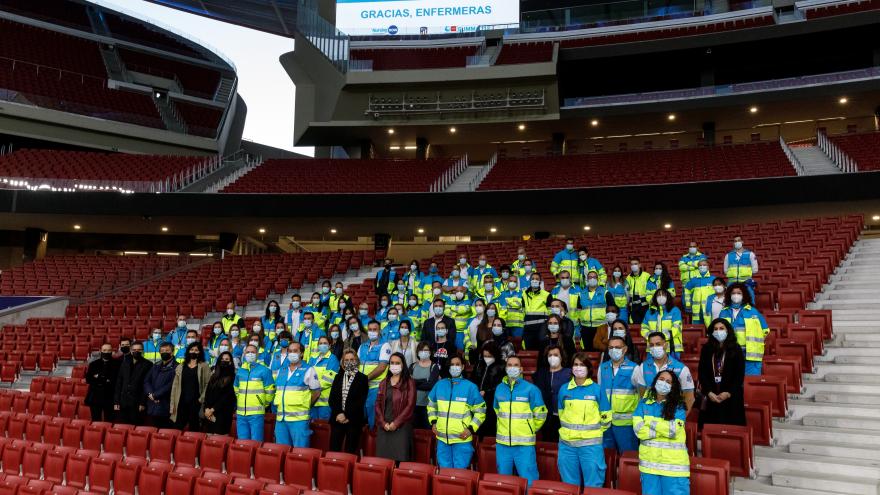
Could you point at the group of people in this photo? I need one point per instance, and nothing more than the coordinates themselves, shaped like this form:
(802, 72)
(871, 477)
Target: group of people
(443, 354)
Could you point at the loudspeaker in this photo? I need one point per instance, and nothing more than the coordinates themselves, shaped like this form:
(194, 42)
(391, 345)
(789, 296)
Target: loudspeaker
(542, 235)
(381, 241)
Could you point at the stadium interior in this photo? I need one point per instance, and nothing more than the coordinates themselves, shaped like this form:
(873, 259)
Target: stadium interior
(128, 198)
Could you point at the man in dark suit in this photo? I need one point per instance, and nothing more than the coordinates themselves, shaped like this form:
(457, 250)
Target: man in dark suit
(437, 314)
(385, 278)
(129, 400)
(101, 377)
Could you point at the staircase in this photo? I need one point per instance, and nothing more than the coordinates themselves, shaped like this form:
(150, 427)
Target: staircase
(227, 84)
(464, 182)
(814, 161)
(829, 443)
(488, 57)
(169, 114)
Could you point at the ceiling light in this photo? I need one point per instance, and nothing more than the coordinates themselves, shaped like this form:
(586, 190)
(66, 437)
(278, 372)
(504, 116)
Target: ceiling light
(452, 130)
(390, 131)
(493, 230)
(521, 127)
(667, 226)
(421, 231)
(587, 228)
(876, 218)
(164, 229)
(843, 100)
(409, 147)
(594, 122)
(394, 148)
(262, 230)
(77, 227)
(670, 117)
(753, 110)
(332, 231)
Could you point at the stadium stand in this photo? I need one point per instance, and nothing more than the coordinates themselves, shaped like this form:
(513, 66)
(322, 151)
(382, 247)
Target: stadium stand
(817, 11)
(138, 32)
(341, 176)
(200, 120)
(738, 161)
(525, 53)
(50, 49)
(415, 58)
(195, 80)
(45, 164)
(83, 276)
(864, 148)
(64, 13)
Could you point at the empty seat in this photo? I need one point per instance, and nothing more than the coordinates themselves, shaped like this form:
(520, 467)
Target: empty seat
(268, 460)
(334, 471)
(544, 487)
(371, 476)
(731, 443)
(301, 465)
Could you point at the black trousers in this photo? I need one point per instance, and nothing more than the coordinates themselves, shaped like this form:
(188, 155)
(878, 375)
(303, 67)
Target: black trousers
(103, 412)
(130, 415)
(587, 336)
(532, 333)
(348, 434)
(188, 416)
(637, 313)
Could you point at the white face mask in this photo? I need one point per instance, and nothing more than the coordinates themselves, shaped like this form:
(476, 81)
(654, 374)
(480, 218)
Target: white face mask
(554, 361)
(315, 301)
(634, 268)
(395, 369)
(455, 371)
(737, 245)
(482, 262)
(553, 328)
(459, 295)
(190, 340)
(373, 335)
(438, 311)
(424, 354)
(658, 271)
(610, 317)
(579, 371)
(657, 352)
(230, 312)
(462, 261)
(661, 300)
(556, 310)
(720, 335)
(413, 267)
(273, 308)
(218, 330)
(497, 331)
(489, 361)
(479, 309)
(489, 287)
(619, 332)
(392, 317)
(520, 257)
(440, 332)
(692, 250)
(527, 268)
(535, 284)
(257, 328)
(490, 313)
(222, 348)
(616, 274)
(583, 257)
(703, 269)
(413, 302)
(565, 282)
(593, 283)
(294, 304)
(719, 289)
(736, 298)
(511, 285)
(234, 333)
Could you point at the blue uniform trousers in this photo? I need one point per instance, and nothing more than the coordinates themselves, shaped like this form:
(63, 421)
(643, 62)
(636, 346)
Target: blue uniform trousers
(455, 455)
(582, 466)
(653, 484)
(249, 427)
(293, 433)
(521, 456)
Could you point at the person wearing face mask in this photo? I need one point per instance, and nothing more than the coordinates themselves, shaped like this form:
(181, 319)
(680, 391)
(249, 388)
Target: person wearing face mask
(458, 279)
(217, 334)
(373, 356)
(566, 259)
(294, 314)
(297, 389)
(438, 315)
(236, 344)
(390, 328)
(593, 301)
(326, 366)
(658, 360)
(413, 278)
(406, 343)
(660, 280)
(278, 353)
(394, 406)
(469, 337)
(178, 335)
(157, 387)
(689, 264)
(501, 280)
(400, 294)
(443, 348)
(255, 391)
(748, 323)
(584, 415)
(386, 279)
(220, 396)
(308, 335)
(151, 346)
(456, 411)
(188, 389)
(516, 267)
(363, 315)
(558, 332)
(356, 334)
(658, 421)
(484, 331)
(272, 316)
(487, 374)
(697, 290)
(101, 377)
(317, 309)
(382, 310)
(225, 345)
(587, 264)
(637, 290)
(339, 300)
(416, 316)
(721, 377)
(549, 378)
(665, 318)
(616, 289)
(230, 317)
(615, 382)
(487, 290)
(337, 344)
(714, 303)
(191, 338)
(740, 265)
(511, 307)
(521, 412)
(479, 274)
(425, 374)
(324, 298)
(619, 328)
(536, 303)
(128, 393)
(347, 397)
(430, 280)
(570, 295)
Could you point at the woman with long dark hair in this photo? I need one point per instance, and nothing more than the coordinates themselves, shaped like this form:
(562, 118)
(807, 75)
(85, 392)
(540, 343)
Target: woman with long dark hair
(188, 388)
(658, 421)
(394, 411)
(721, 374)
(220, 396)
(271, 318)
(488, 373)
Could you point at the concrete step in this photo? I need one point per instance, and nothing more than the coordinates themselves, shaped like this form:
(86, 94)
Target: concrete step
(861, 338)
(769, 461)
(842, 421)
(823, 369)
(825, 483)
(804, 407)
(860, 315)
(785, 432)
(847, 294)
(848, 303)
(764, 486)
(842, 377)
(846, 399)
(835, 449)
(835, 350)
(846, 284)
(812, 388)
(855, 359)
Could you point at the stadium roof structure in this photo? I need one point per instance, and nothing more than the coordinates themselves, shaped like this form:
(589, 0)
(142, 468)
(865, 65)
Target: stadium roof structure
(272, 16)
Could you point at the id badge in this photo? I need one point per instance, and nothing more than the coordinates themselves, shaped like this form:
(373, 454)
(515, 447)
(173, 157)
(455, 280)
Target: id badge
(717, 379)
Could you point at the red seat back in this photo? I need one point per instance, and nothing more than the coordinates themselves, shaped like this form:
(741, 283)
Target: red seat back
(731, 443)
(300, 466)
(628, 476)
(710, 476)
(334, 471)
(547, 453)
(371, 476)
(760, 420)
(770, 389)
(545, 487)
(411, 478)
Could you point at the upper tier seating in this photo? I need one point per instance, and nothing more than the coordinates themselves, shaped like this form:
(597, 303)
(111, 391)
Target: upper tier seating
(741, 161)
(415, 58)
(45, 164)
(525, 53)
(138, 32)
(340, 176)
(863, 148)
(196, 80)
(51, 49)
(817, 11)
(61, 12)
(82, 276)
(200, 120)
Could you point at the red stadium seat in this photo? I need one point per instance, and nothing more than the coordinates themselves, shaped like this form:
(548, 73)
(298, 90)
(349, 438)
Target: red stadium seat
(486, 458)
(770, 389)
(544, 487)
(371, 476)
(547, 453)
(268, 461)
(275, 489)
(101, 472)
(152, 478)
(240, 458)
(785, 367)
(186, 448)
(244, 486)
(628, 473)
(334, 471)
(710, 476)
(126, 474)
(731, 443)
(760, 420)
(411, 477)
(301, 465)
(455, 482)
(179, 483)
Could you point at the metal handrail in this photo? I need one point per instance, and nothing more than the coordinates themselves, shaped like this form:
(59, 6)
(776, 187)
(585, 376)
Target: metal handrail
(798, 168)
(478, 179)
(843, 161)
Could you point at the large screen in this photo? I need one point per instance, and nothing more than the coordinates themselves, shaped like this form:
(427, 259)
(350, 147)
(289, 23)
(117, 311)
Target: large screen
(422, 17)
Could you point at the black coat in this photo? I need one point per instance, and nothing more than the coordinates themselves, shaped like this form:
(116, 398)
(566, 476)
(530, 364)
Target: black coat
(731, 411)
(129, 391)
(487, 379)
(101, 377)
(222, 400)
(354, 403)
(428, 329)
(158, 382)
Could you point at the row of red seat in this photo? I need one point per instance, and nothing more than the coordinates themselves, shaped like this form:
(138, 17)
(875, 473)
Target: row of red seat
(50, 49)
(65, 13)
(140, 32)
(640, 167)
(525, 53)
(196, 80)
(841, 8)
(200, 120)
(863, 148)
(415, 58)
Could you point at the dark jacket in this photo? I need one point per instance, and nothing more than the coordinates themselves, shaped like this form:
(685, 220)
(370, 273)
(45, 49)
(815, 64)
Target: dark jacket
(488, 377)
(428, 329)
(158, 382)
(442, 353)
(550, 383)
(383, 278)
(101, 377)
(222, 400)
(354, 404)
(421, 383)
(403, 401)
(731, 411)
(129, 390)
